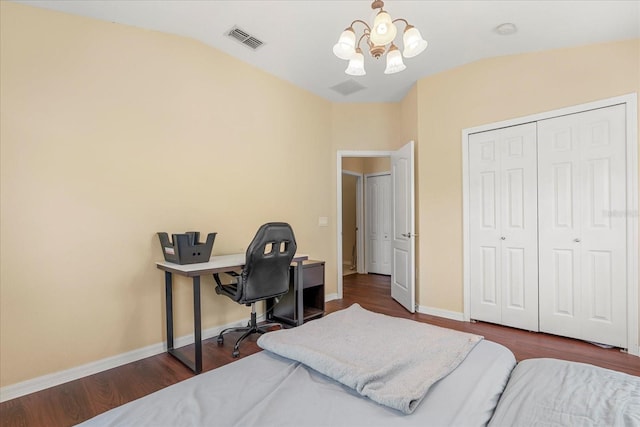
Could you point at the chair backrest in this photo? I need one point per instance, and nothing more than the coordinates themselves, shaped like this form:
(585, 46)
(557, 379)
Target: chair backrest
(266, 271)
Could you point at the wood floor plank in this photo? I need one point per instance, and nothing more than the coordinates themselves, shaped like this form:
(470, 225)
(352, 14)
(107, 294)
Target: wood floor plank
(73, 402)
(524, 344)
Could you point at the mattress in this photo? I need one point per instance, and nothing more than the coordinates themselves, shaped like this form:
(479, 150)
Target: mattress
(554, 392)
(268, 390)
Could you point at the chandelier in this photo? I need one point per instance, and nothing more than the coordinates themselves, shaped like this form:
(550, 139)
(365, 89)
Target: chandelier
(379, 38)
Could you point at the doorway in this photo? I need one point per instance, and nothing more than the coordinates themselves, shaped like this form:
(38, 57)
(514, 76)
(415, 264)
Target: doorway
(353, 166)
(400, 163)
(365, 214)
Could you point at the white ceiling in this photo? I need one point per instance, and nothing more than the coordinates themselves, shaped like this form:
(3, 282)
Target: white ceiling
(299, 35)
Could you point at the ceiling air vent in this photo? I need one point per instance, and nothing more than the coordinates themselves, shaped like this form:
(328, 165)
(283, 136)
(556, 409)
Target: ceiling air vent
(245, 38)
(348, 87)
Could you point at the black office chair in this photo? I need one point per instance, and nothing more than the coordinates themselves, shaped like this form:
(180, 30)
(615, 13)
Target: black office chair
(265, 275)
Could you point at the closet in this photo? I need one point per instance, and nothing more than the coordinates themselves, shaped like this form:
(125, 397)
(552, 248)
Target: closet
(546, 229)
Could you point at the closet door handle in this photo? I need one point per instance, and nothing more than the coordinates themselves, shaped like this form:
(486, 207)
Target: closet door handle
(577, 240)
(503, 238)
(408, 235)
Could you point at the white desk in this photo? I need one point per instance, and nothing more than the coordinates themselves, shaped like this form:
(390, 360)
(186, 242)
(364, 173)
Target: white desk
(217, 264)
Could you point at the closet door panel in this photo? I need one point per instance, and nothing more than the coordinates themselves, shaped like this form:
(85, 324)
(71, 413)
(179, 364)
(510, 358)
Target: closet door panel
(564, 285)
(485, 265)
(385, 217)
(519, 229)
(602, 135)
(378, 224)
(488, 268)
(503, 226)
(559, 227)
(581, 194)
(373, 225)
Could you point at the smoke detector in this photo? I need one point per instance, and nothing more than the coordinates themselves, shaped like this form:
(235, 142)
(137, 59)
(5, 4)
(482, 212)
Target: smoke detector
(506, 29)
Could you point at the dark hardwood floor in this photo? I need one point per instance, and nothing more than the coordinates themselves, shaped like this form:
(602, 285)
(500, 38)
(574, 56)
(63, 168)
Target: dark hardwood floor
(373, 293)
(76, 401)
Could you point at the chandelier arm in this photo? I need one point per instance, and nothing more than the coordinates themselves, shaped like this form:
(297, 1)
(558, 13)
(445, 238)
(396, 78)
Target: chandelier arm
(362, 22)
(401, 19)
(365, 34)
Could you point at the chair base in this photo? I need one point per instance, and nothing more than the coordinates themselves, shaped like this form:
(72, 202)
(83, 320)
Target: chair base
(251, 328)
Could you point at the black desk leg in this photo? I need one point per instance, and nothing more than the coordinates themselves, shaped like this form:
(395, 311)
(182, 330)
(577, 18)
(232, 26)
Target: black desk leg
(169, 309)
(197, 323)
(299, 289)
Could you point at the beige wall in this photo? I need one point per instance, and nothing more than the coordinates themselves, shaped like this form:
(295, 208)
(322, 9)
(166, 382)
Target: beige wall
(377, 164)
(365, 165)
(484, 92)
(353, 164)
(409, 116)
(366, 127)
(110, 134)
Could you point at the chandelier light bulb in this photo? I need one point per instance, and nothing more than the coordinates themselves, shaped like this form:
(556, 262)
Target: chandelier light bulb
(346, 46)
(413, 42)
(394, 61)
(356, 64)
(383, 31)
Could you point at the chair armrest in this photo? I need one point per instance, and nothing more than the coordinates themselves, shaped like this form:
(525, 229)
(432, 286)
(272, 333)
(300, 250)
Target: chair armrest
(216, 276)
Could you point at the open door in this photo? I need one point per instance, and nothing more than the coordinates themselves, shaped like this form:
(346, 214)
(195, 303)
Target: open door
(403, 245)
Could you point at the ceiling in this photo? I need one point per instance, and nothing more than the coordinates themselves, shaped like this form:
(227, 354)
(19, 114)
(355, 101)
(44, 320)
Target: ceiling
(299, 35)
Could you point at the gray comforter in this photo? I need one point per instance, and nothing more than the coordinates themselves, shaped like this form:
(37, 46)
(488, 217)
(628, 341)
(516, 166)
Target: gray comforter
(390, 360)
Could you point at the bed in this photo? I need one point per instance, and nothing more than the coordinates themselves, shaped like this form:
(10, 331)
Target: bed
(555, 392)
(459, 380)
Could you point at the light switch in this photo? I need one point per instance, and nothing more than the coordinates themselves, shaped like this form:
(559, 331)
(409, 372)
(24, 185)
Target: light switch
(323, 221)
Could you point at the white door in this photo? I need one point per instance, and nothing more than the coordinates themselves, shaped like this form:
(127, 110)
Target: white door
(582, 200)
(503, 226)
(403, 280)
(378, 220)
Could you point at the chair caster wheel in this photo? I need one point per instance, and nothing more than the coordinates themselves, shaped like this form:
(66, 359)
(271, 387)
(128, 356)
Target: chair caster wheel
(235, 354)
(220, 340)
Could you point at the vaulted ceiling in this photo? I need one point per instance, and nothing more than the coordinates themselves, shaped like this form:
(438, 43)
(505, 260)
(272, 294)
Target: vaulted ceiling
(299, 35)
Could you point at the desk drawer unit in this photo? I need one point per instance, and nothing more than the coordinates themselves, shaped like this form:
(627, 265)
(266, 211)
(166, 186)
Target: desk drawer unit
(312, 297)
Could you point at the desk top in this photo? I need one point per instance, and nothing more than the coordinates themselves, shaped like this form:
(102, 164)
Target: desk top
(217, 264)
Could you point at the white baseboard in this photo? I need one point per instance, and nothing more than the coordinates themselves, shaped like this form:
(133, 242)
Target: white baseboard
(40, 383)
(330, 297)
(453, 315)
(50, 380)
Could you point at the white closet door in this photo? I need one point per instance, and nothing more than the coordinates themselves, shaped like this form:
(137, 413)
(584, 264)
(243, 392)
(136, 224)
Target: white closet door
(378, 219)
(582, 243)
(503, 226)
(484, 227)
(519, 227)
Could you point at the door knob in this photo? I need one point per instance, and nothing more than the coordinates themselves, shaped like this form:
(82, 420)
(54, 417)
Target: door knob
(503, 238)
(577, 240)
